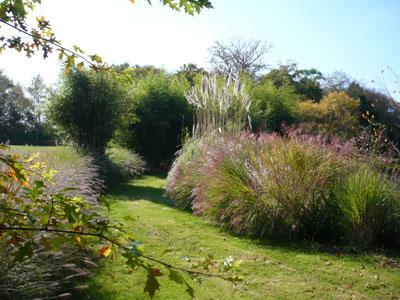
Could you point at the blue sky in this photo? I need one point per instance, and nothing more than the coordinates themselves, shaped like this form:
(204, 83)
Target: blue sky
(360, 37)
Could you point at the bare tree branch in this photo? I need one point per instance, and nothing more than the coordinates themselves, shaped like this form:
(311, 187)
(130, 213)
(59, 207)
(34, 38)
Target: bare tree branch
(238, 56)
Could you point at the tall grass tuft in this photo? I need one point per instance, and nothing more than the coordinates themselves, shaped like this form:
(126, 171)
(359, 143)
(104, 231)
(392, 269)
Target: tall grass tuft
(370, 205)
(219, 106)
(45, 275)
(128, 163)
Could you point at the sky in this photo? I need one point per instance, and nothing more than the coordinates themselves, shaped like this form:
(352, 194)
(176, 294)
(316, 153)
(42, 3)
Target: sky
(360, 37)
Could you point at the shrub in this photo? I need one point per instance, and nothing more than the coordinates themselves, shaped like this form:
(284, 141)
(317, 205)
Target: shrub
(272, 107)
(87, 108)
(127, 163)
(161, 116)
(287, 188)
(336, 114)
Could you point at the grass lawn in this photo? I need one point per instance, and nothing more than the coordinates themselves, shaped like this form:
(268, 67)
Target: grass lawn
(270, 271)
(51, 155)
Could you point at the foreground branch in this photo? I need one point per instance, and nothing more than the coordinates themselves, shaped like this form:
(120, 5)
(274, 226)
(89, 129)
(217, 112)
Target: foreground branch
(54, 43)
(116, 243)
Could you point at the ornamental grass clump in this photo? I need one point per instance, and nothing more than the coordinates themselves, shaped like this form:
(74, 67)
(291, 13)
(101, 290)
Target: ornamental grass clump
(370, 206)
(292, 187)
(219, 106)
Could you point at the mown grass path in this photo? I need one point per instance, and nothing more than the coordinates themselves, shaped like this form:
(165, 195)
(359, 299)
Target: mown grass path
(271, 272)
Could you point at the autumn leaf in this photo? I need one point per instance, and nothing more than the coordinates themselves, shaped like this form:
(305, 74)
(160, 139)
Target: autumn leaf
(78, 241)
(12, 173)
(106, 250)
(80, 65)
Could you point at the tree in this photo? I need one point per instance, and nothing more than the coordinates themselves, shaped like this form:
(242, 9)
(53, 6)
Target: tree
(337, 81)
(191, 71)
(38, 92)
(382, 108)
(237, 56)
(336, 114)
(87, 108)
(16, 113)
(305, 81)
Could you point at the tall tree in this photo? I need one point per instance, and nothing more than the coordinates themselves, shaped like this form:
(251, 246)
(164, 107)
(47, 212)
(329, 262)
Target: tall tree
(384, 109)
(306, 82)
(38, 92)
(16, 113)
(190, 71)
(88, 108)
(238, 56)
(337, 81)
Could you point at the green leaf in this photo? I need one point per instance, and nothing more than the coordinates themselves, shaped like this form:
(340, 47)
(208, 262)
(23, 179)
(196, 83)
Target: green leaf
(77, 49)
(39, 184)
(25, 250)
(19, 9)
(175, 277)
(96, 58)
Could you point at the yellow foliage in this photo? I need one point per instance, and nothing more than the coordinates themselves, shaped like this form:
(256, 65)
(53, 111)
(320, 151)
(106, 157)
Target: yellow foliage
(337, 113)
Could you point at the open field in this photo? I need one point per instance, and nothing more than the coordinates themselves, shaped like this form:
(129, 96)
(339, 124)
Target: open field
(270, 271)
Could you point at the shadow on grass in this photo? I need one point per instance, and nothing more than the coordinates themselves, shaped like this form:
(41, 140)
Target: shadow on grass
(127, 191)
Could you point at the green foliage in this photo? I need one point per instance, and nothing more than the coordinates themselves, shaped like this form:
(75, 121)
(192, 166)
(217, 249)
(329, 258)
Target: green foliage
(18, 122)
(87, 108)
(191, 72)
(189, 6)
(185, 168)
(273, 107)
(160, 115)
(306, 82)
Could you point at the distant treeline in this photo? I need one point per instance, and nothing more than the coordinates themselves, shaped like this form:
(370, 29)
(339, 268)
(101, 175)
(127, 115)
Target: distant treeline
(144, 108)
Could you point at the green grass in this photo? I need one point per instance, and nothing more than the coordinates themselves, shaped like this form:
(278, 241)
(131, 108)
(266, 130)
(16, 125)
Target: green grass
(270, 271)
(49, 154)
